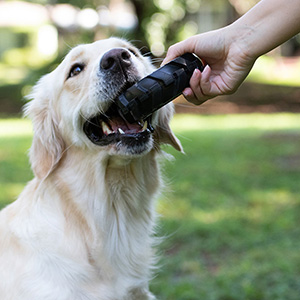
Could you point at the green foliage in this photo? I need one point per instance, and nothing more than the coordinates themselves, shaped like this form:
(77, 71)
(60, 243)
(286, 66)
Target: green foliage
(230, 211)
(164, 22)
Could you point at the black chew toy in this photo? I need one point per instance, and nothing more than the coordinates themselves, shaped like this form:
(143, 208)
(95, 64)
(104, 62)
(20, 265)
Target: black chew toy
(157, 89)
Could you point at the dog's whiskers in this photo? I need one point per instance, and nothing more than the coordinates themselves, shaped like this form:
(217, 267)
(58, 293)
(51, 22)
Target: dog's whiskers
(156, 60)
(149, 53)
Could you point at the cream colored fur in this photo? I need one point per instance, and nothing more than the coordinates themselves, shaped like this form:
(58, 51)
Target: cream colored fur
(82, 229)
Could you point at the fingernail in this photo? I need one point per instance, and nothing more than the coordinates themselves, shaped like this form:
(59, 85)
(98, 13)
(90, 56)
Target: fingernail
(197, 72)
(186, 92)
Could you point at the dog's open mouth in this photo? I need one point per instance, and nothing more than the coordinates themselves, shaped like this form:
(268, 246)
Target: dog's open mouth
(111, 127)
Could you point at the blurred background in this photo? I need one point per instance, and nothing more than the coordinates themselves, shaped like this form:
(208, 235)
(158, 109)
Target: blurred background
(231, 208)
(35, 36)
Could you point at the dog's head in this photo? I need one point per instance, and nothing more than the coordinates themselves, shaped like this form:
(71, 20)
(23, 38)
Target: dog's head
(74, 106)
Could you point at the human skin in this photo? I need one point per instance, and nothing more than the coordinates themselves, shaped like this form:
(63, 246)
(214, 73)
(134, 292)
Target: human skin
(231, 51)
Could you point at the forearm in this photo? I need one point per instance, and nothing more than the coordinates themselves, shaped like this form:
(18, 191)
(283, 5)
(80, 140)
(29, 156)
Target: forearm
(267, 25)
(231, 51)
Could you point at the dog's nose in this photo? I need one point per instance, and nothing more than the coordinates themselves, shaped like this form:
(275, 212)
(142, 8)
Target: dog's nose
(116, 59)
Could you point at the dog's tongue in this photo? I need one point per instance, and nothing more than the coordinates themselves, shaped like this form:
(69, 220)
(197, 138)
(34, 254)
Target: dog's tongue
(117, 123)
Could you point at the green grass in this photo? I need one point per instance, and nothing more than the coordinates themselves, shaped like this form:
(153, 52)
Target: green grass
(230, 212)
(15, 140)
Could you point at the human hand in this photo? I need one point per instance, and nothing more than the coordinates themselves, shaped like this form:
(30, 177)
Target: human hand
(227, 63)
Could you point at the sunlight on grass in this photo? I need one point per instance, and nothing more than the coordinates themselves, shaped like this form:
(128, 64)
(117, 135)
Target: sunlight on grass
(10, 191)
(184, 122)
(209, 217)
(276, 197)
(15, 128)
(263, 205)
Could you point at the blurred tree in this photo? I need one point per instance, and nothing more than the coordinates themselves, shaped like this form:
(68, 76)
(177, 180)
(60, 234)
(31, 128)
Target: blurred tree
(164, 22)
(77, 3)
(144, 10)
(160, 22)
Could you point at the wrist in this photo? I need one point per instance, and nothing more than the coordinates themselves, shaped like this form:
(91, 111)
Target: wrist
(245, 38)
(261, 29)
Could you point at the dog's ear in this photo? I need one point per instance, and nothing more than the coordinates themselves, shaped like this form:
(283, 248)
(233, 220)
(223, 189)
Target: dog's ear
(163, 133)
(47, 145)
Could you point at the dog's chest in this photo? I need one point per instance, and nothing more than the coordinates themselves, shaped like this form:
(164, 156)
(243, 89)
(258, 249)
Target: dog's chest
(63, 279)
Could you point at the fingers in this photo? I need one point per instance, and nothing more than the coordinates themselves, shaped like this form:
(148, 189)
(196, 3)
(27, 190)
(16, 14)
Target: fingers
(173, 52)
(200, 86)
(179, 49)
(194, 93)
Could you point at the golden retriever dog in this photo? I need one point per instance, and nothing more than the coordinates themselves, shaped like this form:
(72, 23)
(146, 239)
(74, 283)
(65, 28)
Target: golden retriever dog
(82, 229)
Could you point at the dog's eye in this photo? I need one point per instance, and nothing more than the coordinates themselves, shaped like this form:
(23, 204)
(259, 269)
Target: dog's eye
(75, 70)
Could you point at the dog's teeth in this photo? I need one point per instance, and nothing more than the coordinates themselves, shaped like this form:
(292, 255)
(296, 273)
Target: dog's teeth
(105, 128)
(121, 131)
(145, 125)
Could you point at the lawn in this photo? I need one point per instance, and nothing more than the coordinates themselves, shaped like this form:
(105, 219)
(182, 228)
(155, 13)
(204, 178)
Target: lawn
(230, 212)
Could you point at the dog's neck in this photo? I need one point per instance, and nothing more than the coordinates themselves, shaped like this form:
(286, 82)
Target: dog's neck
(111, 198)
(110, 180)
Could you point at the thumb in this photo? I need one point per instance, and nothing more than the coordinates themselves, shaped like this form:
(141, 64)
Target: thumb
(179, 49)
